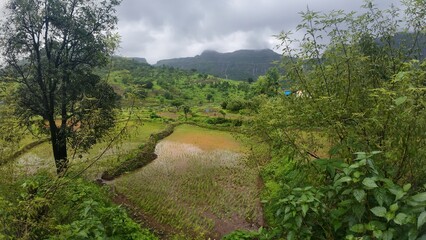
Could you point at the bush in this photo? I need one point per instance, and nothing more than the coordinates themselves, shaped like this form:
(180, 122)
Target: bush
(354, 201)
(235, 105)
(224, 121)
(65, 209)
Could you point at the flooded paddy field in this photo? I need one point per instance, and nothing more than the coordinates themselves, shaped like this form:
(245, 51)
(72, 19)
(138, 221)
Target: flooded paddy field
(200, 185)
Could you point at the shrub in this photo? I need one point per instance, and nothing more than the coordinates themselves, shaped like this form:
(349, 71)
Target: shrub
(354, 202)
(235, 105)
(65, 209)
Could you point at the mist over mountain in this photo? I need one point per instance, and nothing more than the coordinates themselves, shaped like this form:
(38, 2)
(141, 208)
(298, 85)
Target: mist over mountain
(238, 65)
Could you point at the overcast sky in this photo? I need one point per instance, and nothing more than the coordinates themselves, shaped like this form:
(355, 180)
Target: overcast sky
(161, 29)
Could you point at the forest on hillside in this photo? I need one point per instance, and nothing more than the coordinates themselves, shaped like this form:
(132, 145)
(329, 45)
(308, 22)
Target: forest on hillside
(329, 143)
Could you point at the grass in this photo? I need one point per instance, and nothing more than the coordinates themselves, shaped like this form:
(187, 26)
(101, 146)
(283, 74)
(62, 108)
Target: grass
(199, 185)
(40, 158)
(136, 135)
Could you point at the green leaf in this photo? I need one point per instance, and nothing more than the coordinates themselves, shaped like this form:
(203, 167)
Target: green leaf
(358, 210)
(278, 213)
(421, 220)
(357, 174)
(299, 221)
(400, 100)
(359, 194)
(401, 218)
(378, 234)
(305, 209)
(390, 216)
(376, 225)
(342, 180)
(381, 196)
(412, 234)
(406, 187)
(358, 228)
(400, 76)
(379, 211)
(291, 235)
(421, 197)
(387, 235)
(369, 182)
(394, 207)
(398, 193)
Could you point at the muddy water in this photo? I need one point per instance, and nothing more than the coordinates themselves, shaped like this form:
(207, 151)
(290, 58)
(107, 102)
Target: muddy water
(205, 139)
(171, 153)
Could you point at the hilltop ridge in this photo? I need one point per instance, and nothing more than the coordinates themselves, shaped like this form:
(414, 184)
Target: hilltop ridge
(237, 65)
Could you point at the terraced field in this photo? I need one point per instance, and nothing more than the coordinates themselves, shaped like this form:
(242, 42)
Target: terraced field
(199, 186)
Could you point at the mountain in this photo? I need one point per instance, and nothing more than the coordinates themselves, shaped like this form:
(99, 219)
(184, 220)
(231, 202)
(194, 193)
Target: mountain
(238, 65)
(139, 60)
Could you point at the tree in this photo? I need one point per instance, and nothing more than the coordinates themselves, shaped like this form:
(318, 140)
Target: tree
(51, 48)
(148, 85)
(209, 97)
(186, 110)
(10, 131)
(268, 84)
(177, 104)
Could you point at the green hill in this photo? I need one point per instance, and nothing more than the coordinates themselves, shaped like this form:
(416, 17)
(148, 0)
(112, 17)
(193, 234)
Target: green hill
(238, 65)
(162, 86)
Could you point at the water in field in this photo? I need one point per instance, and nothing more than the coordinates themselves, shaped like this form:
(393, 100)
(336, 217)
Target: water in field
(199, 184)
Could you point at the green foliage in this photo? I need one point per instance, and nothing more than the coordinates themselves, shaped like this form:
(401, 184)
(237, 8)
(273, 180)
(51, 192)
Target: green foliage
(63, 209)
(145, 155)
(50, 49)
(235, 104)
(362, 91)
(355, 201)
(10, 130)
(159, 86)
(268, 84)
(241, 235)
(224, 121)
(186, 110)
(238, 65)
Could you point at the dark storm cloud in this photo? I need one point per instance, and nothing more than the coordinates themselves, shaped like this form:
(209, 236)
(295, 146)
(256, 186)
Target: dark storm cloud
(176, 28)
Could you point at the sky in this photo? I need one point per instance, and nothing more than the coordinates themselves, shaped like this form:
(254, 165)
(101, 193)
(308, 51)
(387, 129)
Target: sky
(163, 29)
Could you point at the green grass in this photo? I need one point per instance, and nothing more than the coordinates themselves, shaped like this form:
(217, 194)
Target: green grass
(40, 158)
(136, 135)
(195, 188)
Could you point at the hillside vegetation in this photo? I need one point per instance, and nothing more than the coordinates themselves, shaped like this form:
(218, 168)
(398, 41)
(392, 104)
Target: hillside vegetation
(238, 65)
(330, 143)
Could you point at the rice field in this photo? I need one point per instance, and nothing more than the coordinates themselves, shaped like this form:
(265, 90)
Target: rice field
(40, 158)
(199, 185)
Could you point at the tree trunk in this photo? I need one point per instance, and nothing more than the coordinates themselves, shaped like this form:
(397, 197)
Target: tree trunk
(59, 146)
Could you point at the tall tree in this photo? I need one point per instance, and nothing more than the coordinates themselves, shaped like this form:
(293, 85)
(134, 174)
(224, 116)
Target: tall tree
(51, 48)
